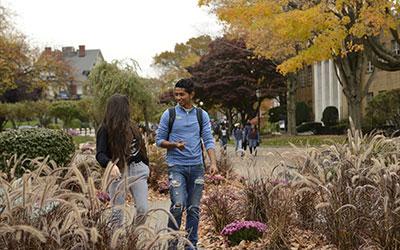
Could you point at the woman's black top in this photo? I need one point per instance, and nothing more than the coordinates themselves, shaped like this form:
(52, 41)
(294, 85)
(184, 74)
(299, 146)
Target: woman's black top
(103, 154)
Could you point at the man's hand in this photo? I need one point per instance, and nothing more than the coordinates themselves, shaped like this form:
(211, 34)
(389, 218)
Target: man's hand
(180, 145)
(213, 168)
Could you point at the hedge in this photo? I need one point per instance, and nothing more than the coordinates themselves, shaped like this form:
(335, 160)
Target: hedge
(38, 142)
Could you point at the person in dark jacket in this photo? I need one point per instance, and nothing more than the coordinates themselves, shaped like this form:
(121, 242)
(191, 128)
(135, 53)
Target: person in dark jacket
(254, 139)
(120, 146)
(238, 135)
(246, 130)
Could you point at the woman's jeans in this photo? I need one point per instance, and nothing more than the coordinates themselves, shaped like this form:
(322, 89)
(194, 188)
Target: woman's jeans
(137, 183)
(224, 141)
(186, 188)
(252, 145)
(238, 145)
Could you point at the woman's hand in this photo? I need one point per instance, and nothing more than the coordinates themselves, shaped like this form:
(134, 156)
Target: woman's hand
(115, 173)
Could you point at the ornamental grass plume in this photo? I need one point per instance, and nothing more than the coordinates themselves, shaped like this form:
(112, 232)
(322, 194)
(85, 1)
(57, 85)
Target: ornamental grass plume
(238, 231)
(222, 206)
(52, 207)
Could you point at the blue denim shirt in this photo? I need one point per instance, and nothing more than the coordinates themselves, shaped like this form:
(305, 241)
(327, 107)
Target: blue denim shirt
(185, 128)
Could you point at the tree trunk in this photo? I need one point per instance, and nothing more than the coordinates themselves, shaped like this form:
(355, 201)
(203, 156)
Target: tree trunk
(350, 77)
(229, 117)
(355, 112)
(146, 119)
(243, 118)
(14, 124)
(291, 104)
(3, 122)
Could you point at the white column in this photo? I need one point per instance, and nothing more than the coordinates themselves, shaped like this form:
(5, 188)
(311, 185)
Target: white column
(315, 85)
(323, 83)
(332, 85)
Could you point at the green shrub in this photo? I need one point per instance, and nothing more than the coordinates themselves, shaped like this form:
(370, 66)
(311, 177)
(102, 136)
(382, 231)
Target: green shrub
(276, 114)
(75, 123)
(388, 101)
(330, 116)
(303, 113)
(34, 143)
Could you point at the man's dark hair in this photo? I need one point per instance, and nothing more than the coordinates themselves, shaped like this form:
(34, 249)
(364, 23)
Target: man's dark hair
(186, 84)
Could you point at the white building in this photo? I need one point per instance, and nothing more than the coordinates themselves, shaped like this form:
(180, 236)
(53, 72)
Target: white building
(327, 89)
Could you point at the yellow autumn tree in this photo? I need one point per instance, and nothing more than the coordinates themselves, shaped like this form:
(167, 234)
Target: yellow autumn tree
(300, 33)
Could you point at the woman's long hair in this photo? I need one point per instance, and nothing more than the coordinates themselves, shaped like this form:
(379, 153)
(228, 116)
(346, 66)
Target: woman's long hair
(121, 131)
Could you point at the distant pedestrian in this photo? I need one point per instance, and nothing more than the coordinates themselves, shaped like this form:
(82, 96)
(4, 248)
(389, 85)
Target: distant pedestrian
(238, 135)
(254, 140)
(246, 130)
(223, 136)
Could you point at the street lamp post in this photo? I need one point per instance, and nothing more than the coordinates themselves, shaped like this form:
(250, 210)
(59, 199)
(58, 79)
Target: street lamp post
(258, 95)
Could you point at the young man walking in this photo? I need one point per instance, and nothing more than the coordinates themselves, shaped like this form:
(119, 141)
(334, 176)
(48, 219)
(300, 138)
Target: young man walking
(181, 131)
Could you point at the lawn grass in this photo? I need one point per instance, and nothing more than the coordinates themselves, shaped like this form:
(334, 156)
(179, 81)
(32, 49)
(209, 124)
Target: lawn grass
(82, 139)
(30, 123)
(302, 140)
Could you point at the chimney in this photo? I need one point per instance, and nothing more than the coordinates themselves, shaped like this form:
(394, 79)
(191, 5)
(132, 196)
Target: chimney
(82, 51)
(47, 50)
(68, 51)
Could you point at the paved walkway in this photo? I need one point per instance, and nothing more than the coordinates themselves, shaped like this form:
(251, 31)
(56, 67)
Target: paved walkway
(267, 159)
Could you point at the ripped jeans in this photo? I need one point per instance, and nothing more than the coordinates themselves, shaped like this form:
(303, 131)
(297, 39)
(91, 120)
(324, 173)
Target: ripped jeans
(186, 184)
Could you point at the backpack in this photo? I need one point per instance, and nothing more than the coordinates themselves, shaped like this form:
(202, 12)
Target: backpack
(172, 115)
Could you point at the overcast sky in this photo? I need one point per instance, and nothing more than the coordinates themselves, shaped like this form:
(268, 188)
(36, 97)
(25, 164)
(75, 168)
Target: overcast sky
(120, 28)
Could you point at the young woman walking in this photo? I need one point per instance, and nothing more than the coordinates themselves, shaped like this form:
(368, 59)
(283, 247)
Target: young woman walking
(120, 143)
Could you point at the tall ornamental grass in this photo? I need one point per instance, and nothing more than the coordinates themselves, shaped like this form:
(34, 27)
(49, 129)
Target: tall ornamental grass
(55, 207)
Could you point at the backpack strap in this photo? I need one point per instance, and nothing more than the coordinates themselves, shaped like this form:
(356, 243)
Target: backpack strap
(199, 113)
(172, 115)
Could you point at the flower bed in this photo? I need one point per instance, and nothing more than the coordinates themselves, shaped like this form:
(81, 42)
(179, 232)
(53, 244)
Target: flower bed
(238, 231)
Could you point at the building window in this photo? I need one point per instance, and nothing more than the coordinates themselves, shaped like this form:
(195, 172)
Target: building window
(302, 78)
(370, 96)
(309, 75)
(395, 47)
(370, 67)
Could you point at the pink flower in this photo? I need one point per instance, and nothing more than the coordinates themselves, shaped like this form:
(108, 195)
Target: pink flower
(239, 225)
(103, 196)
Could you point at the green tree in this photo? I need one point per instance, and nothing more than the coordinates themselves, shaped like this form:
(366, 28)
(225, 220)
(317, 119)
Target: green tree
(107, 79)
(66, 111)
(41, 111)
(172, 64)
